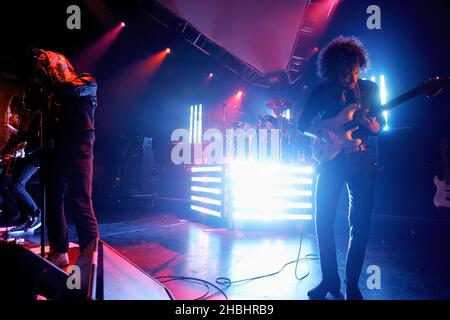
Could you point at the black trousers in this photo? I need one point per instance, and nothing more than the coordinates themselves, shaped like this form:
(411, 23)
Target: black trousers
(16, 199)
(357, 171)
(23, 171)
(70, 165)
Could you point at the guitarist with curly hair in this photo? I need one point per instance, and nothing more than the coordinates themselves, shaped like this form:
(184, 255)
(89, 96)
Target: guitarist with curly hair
(345, 157)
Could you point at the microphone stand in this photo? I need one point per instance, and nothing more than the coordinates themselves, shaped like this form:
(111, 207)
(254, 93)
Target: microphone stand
(44, 170)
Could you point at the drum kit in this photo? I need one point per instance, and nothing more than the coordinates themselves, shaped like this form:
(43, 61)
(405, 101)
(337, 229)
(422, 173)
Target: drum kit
(282, 118)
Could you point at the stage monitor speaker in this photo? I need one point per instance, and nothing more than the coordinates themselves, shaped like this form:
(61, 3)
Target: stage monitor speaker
(105, 275)
(120, 279)
(25, 275)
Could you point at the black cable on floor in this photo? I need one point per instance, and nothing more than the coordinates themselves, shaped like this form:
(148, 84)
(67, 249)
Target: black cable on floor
(206, 283)
(227, 282)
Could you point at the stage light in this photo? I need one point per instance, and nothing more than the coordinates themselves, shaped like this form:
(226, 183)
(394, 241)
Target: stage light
(383, 96)
(168, 50)
(88, 58)
(239, 94)
(206, 179)
(206, 210)
(316, 49)
(270, 216)
(200, 123)
(206, 169)
(253, 191)
(191, 126)
(122, 24)
(206, 190)
(264, 191)
(210, 75)
(196, 124)
(211, 197)
(206, 200)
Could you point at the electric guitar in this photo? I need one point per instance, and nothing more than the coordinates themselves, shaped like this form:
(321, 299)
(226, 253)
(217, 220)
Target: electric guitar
(9, 160)
(345, 123)
(442, 197)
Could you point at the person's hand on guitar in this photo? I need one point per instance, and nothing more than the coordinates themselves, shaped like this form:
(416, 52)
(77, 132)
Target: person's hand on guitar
(367, 120)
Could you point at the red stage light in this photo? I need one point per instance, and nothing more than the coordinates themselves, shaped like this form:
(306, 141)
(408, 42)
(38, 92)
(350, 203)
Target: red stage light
(239, 94)
(168, 50)
(315, 49)
(122, 24)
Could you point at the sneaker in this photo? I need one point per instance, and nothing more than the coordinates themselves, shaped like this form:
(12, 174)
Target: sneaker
(60, 260)
(31, 224)
(34, 224)
(21, 228)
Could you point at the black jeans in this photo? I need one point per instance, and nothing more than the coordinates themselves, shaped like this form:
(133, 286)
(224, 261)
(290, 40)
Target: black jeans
(70, 165)
(23, 171)
(16, 199)
(357, 171)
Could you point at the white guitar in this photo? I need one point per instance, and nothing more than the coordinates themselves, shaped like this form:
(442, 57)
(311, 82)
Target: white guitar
(345, 123)
(442, 197)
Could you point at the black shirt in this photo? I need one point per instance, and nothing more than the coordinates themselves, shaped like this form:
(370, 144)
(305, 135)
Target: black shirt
(330, 98)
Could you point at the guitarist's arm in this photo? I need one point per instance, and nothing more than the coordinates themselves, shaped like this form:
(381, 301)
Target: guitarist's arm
(306, 123)
(310, 110)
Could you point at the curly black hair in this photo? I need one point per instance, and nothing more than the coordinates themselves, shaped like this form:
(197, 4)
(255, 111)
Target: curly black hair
(340, 56)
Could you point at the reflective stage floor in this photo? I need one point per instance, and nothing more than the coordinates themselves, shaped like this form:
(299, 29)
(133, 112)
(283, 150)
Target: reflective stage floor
(413, 255)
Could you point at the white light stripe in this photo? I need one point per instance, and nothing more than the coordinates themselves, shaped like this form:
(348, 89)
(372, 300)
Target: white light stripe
(206, 190)
(241, 190)
(297, 181)
(282, 205)
(272, 216)
(250, 168)
(294, 193)
(206, 211)
(383, 97)
(206, 200)
(206, 169)
(240, 181)
(195, 123)
(383, 92)
(200, 124)
(206, 179)
(385, 115)
(190, 124)
(373, 79)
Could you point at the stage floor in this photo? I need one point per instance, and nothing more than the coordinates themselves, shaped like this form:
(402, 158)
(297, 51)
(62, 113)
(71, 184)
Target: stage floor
(413, 257)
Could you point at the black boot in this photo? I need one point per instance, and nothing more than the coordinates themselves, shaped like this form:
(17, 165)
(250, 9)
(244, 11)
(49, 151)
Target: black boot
(353, 293)
(320, 291)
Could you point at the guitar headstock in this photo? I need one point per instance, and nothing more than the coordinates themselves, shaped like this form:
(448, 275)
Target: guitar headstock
(434, 86)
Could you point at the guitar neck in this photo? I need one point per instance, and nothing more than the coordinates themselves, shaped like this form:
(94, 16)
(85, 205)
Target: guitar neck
(388, 106)
(401, 99)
